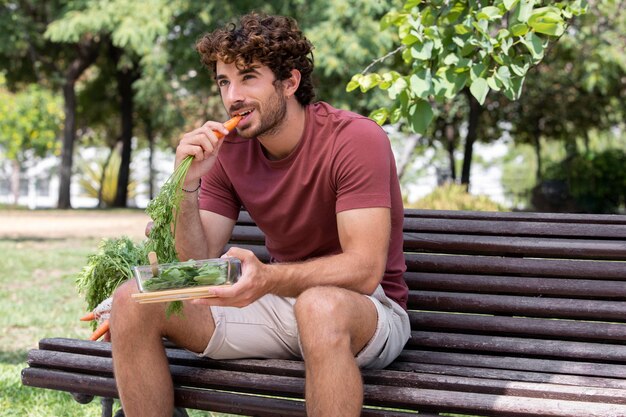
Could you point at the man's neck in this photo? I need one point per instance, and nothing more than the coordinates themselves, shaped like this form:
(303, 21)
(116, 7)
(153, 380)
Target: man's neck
(280, 144)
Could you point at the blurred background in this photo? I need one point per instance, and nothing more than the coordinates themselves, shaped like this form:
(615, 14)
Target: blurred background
(94, 96)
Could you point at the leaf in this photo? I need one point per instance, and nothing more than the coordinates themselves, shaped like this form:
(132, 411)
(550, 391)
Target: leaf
(448, 84)
(422, 51)
(420, 116)
(489, 13)
(411, 3)
(397, 88)
(421, 83)
(504, 75)
(354, 83)
(519, 29)
(479, 89)
(379, 115)
(396, 115)
(462, 29)
(547, 20)
(508, 4)
(520, 66)
(493, 83)
(369, 81)
(451, 59)
(478, 70)
(534, 45)
(515, 90)
(524, 10)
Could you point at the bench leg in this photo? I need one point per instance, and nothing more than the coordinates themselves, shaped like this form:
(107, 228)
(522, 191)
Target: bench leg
(107, 406)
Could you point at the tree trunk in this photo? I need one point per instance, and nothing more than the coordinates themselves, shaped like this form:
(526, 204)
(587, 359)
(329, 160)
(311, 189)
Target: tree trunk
(472, 133)
(87, 54)
(150, 136)
(450, 135)
(125, 80)
(15, 181)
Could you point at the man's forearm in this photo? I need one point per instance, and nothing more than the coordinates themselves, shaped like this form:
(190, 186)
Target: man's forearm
(345, 270)
(191, 243)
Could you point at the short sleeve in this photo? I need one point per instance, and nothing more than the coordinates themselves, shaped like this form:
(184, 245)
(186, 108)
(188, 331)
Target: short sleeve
(217, 193)
(361, 166)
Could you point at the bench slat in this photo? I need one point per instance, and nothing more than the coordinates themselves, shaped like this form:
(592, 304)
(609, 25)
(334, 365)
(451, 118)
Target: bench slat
(585, 288)
(523, 346)
(492, 265)
(554, 329)
(505, 216)
(516, 228)
(517, 305)
(515, 246)
(552, 366)
(593, 383)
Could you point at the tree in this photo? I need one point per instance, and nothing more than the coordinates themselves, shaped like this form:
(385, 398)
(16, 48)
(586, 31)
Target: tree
(575, 94)
(128, 30)
(462, 47)
(30, 122)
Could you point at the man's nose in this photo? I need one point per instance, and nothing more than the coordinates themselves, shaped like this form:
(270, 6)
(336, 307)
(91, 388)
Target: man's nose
(234, 93)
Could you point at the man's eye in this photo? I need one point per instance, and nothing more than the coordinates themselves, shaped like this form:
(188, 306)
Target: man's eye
(222, 83)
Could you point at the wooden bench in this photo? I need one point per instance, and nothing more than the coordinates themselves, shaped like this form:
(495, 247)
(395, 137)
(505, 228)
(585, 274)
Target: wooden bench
(512, 314)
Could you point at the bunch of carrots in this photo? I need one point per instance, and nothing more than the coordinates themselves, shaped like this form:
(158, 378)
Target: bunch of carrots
(178, 178)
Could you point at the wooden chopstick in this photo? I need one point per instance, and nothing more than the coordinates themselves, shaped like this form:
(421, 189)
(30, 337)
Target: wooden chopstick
(173, 295)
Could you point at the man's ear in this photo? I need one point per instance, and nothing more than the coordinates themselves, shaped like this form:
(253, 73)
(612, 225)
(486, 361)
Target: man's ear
(292, 83)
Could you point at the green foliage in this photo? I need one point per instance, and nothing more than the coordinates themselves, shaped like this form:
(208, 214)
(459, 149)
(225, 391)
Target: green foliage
(448, 46)
(162, 210)
(455, 197)
(596, 181)
(30, 121)
(579, 87)
(111, 265)
(131, 25)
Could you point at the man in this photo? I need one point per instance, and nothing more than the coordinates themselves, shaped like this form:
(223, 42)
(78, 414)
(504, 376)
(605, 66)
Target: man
(321, 183)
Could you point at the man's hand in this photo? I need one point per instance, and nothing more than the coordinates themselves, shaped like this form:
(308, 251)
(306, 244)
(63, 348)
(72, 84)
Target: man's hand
(203, 144)
(252, 285)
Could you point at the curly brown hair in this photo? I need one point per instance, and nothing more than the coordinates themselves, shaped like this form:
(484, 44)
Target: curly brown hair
(273, 41)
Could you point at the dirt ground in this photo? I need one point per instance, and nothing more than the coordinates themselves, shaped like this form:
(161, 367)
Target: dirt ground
(20, 224)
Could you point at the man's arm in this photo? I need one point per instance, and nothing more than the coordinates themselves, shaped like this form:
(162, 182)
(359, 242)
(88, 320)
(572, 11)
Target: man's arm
(200, 234)
(364, 235)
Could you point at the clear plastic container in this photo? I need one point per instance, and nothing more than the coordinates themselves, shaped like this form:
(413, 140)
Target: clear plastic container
(185, 280)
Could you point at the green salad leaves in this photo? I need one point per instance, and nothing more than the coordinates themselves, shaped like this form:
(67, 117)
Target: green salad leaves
(187, 274)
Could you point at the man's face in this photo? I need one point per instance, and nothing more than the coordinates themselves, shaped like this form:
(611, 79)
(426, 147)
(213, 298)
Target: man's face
(255, 92)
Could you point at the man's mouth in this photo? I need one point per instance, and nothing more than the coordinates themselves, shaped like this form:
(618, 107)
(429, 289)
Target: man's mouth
(244, 114)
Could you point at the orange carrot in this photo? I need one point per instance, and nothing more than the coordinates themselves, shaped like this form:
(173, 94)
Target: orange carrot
(100, 331)
(230, 125)
(88, 317)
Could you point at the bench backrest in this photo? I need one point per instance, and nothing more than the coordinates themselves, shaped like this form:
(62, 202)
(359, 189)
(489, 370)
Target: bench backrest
(494, 282)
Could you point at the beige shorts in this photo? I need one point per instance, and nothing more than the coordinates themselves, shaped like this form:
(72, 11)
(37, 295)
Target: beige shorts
(267, 329)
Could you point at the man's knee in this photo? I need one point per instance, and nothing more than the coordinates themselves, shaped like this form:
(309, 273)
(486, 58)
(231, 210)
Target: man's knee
(125, 311)
(322, 316)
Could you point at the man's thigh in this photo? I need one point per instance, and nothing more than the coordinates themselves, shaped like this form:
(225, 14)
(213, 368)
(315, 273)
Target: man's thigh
(264, 329)
(393, 330)
(192, 329)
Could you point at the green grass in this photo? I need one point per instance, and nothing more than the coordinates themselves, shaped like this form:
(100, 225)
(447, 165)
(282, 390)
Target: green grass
(38, 298)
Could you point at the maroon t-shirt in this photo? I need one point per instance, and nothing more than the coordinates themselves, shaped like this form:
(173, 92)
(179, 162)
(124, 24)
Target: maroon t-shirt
(343, 161)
